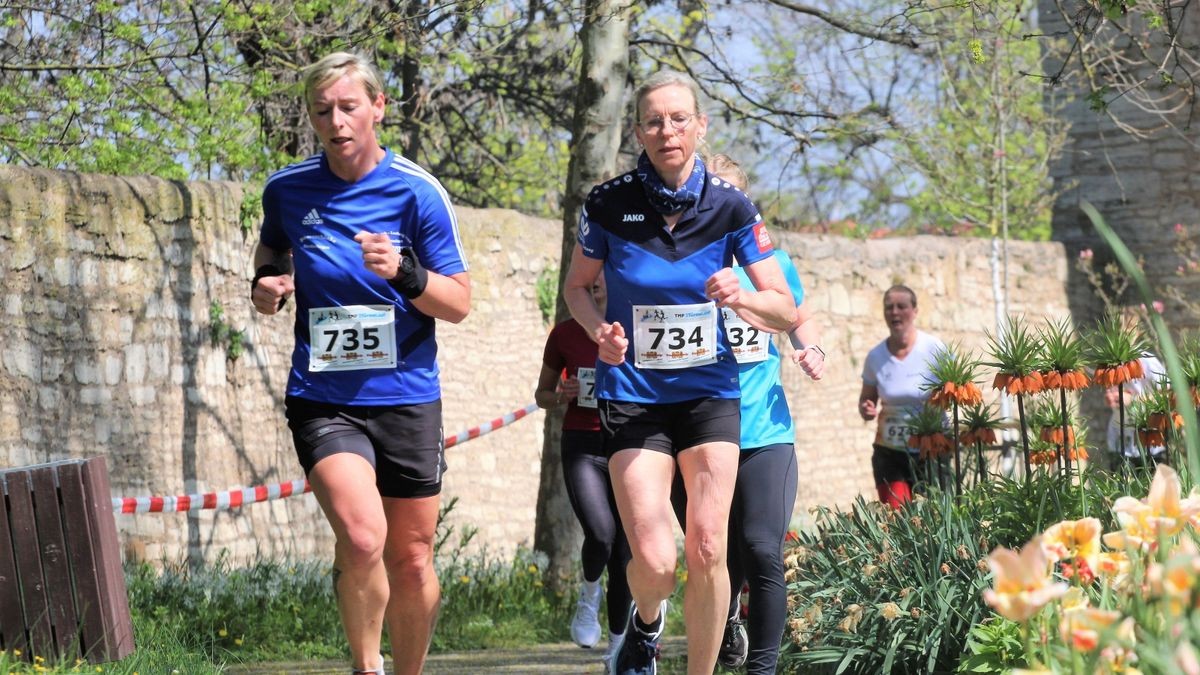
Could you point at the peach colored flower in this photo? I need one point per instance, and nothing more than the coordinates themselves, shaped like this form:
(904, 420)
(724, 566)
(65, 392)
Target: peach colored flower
(1082, 628)
(1073, 600)
(1022, 583)
(1161, 514)
(1114, 567)
(1176, 579)
(1186, 659)
(1072, 539)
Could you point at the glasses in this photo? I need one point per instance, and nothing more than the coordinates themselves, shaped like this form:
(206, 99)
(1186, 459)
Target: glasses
(658, 125)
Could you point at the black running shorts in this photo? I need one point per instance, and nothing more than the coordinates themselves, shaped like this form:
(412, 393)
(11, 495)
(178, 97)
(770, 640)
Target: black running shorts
(669, 427)
(403, 443)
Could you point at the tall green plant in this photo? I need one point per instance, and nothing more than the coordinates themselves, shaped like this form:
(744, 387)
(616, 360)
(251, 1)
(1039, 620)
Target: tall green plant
(1171, 357)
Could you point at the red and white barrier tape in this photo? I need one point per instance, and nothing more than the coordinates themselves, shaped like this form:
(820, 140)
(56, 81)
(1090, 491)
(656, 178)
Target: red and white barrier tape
(262, 493)
(488, 427)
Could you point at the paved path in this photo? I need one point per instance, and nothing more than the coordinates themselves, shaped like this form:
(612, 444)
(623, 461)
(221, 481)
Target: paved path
(554, 658)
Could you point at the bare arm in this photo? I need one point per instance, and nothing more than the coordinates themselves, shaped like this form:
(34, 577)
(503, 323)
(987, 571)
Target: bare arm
(867, 400)
(443, 297)
(805, 337)
(552, 391)
(446, 298)
(577, 291)
(274, 287)
(768, 306)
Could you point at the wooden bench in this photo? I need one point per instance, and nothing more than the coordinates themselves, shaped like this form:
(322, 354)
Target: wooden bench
(62, 591)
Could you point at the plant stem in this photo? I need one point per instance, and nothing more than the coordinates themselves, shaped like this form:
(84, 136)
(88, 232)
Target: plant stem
(979, 462)
(1024, 434)
(957, 467)
(1066, 424)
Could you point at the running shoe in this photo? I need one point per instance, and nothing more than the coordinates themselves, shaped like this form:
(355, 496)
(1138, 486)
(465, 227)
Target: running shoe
(610, 654)
(637, 653)
(735, 644)
(585, 625)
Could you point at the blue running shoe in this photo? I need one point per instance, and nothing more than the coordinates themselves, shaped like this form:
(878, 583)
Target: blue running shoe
(638, 651)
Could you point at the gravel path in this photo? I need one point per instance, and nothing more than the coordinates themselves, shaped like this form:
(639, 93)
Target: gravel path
(554, 658)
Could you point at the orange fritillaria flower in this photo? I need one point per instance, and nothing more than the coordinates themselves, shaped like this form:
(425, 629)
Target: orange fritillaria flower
(1111, 376)
(965, 394)
(1014, 383)
(1055, 435)
(1069, 380)
(973, 436)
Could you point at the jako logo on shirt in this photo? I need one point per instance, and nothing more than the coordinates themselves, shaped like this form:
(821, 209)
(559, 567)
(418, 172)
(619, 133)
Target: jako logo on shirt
(312, 219)
(634, 218)
(762, 238)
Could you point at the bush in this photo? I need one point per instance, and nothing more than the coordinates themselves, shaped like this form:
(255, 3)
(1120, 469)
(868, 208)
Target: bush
(876, 590)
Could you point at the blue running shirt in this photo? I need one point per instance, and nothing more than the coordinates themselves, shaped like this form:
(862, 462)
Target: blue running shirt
(648, 265)
(766, 418)
(310, 211)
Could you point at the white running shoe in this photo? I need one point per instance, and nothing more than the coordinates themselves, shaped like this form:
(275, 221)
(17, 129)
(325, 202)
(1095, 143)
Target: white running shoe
(585, 625)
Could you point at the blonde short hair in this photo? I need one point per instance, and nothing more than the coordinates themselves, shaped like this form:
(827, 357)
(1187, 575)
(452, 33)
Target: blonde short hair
(723, 165)
(665, 78)
(333, 67)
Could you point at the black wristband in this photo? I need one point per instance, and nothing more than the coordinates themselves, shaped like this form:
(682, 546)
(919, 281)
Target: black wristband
(410, 278)
(268, 270)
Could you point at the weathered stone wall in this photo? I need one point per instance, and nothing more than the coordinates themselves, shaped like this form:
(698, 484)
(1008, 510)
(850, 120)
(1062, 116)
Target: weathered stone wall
(107, 285)
(1143, 182)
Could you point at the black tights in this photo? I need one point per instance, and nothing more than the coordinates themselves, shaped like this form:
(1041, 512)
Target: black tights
(758, 522)
(585, 470)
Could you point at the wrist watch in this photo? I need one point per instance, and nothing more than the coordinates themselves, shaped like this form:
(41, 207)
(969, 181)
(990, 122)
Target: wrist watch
(406, 261)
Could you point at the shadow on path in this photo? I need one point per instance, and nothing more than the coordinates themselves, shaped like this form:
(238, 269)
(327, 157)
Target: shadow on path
(554, 658)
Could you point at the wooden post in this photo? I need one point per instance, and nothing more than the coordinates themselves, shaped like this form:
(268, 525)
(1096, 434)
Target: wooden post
(62, 590)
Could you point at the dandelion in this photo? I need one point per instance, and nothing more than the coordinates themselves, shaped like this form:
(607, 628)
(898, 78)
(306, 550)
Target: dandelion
(223, 632)
(464, 579)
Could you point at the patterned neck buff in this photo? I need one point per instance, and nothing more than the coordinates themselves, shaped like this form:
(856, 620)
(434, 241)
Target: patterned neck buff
(665, 200)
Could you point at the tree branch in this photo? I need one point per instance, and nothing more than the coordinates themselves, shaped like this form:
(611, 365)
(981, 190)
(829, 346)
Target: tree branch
(902, 39)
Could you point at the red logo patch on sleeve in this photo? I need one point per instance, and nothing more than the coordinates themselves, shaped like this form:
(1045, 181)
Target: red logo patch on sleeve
(762, 238)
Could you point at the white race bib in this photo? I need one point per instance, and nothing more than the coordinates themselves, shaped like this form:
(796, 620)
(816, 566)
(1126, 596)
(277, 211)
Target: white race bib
(355, 337)
(674, 336)
(893, 432)
(748, 343)
(587, 387)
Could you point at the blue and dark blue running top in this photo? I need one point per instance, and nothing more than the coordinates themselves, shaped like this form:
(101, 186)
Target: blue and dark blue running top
(678, 348)
(358, 340)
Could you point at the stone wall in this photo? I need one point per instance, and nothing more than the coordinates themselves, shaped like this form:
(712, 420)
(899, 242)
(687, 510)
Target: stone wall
(108, 285)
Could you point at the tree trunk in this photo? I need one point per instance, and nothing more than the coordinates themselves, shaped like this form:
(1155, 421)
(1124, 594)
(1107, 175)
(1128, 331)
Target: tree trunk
(596, 133)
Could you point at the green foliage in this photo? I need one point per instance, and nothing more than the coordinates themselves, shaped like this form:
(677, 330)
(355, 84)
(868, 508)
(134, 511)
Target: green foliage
(993, 646)
(547, 293)
(269, 610)
(883, 591)
(877, 590)
(211, 90)
(221, 333)
(985, 147)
